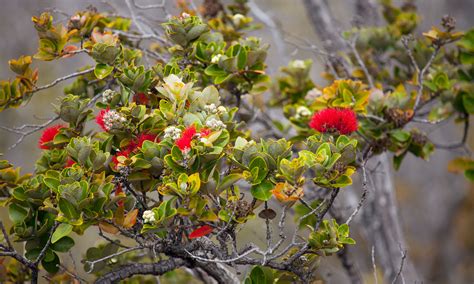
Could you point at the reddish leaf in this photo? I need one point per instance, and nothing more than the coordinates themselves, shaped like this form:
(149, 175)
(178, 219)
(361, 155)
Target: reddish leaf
(106, 227)
(68, 51)
(130, 219)
(201, 232)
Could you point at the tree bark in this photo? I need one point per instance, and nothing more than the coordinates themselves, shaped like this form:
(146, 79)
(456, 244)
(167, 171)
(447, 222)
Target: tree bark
(382, 228)
(129, 270)
(324, 24)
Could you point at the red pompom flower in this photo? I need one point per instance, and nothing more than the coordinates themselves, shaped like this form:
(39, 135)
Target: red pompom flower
(100, 118)
(184, 142)
(205, 132)
(48, 136)
(334, 120)
(124, 153)
(69, 163)
(201, 232)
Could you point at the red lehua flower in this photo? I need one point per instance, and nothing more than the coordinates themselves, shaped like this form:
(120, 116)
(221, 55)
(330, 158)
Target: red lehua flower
(184, 143)
(201, 232)
(141, 98)
(124, 153)
(48, 136)
(70, 162)
(205, 132)
(330, 120)
(100, 118)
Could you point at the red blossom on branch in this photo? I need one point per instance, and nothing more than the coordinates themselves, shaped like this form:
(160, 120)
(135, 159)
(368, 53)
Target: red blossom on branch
(99, 119)
(334, 120)
(48, 136)
(184, 142)
(124, 153)
(69, 163)
(205, 132)
(201, 232)
(141, 98)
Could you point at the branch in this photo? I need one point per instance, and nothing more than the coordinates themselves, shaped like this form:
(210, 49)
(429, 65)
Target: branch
(421, 73)
(46, 246)
(129, 270)
(37, 127)
(323, 22)
(374, 266)
(352, 45)
(93, 262)
(458, 144)
(402, 261)
(58, 80)
(364, 193)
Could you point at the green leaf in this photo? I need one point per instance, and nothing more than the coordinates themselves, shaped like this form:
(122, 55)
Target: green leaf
(260, 275)
(228, 180)
(103, 70)
(52, 183)
(61, 231)
(262, 191)
(68, 209)
(64, 244)
(259, 169)
(17, 213)
(53, 265)
(469, 174)
(400, 135)
(242, 59)
(214, 71)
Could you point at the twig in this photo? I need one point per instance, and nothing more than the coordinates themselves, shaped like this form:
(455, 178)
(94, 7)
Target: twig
(402, 262)
(421, 73)
(458, 144)
(151, 6)
(93, 262)
(58, 80)
(374, 266)
(352, 45)
(46, 246)
(363, 196)
(5, 235)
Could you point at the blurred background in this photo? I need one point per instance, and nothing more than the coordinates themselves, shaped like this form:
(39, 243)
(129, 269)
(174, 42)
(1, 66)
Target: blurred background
(436, 207)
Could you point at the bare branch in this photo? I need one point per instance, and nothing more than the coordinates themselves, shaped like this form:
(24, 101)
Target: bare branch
(374, 266)
(323, 21)
(93, 262)
(58, 80)
(129, 270)
(364, 193)
(352, 45)
(46, 246)
(402, 261)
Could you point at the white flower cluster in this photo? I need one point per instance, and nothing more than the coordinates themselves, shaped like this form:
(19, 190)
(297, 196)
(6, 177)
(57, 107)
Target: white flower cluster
(237, 19)
(214, 123)
(108, 95)
(313, 94)
(113, 120)
(215, 59)
(172, 132)
(185, 15)
(298, 64)
(148, 216)
(211, 108)
(302, 111)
